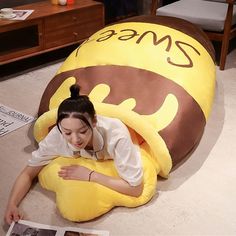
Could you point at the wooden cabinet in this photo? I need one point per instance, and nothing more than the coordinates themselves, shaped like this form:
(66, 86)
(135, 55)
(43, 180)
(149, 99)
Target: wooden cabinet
(48, 28)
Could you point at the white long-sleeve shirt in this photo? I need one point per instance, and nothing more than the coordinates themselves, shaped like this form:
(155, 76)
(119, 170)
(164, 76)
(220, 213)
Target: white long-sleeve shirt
(111, 140)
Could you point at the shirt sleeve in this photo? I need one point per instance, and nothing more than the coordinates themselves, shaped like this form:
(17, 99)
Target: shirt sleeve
(49, 148)
(127, 159)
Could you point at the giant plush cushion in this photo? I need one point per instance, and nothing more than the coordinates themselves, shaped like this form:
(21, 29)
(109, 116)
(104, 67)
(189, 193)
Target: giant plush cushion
(155, 74)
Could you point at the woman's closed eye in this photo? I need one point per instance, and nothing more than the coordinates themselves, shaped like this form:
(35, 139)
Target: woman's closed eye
(83, 131)
(80, 132)
(67, 133)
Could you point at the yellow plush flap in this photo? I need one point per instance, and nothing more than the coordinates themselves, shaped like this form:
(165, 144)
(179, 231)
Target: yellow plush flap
(82, 200)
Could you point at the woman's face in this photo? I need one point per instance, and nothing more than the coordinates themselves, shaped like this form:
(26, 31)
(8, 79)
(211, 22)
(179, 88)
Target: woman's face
(76, 132)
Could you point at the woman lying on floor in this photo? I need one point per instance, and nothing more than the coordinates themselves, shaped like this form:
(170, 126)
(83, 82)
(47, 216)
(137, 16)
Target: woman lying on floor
(80, 132)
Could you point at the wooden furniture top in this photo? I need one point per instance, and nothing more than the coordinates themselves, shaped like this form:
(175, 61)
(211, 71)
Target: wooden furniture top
(46, 8)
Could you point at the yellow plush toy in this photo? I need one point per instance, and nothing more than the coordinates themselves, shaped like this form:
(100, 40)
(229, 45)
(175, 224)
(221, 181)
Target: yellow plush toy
(157, 80)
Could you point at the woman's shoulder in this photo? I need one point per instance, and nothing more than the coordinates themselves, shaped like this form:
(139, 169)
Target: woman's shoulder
(112, 126)
(54, 134)
(109, 122)
(54, 131)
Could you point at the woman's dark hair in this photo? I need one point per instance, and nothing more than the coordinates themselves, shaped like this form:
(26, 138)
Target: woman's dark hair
(76, 106)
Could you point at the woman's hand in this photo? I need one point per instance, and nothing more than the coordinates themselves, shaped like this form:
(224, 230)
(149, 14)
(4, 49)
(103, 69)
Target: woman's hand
(75, 172)
(12, 213)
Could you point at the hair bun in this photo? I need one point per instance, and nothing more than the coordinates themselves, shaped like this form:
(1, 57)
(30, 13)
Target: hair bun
(74, 91)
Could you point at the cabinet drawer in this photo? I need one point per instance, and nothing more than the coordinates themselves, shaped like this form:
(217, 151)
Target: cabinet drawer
(67, 19)
(67, 35)
(60, 37)
(73, 26)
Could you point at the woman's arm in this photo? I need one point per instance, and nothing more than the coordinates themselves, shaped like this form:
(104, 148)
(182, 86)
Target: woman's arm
(117, 184)
(77, 172)
(19, 190)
